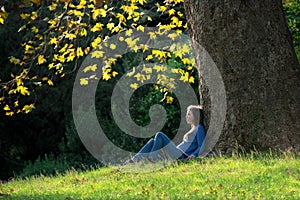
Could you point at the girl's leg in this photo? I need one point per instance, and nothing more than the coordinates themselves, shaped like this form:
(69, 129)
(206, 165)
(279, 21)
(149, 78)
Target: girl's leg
(144, 150)
(162, 142)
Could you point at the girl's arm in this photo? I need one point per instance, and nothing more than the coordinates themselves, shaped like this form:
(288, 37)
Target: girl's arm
(200, 134)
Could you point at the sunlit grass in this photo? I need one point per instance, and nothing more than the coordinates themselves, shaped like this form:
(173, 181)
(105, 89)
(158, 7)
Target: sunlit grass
(252, 176)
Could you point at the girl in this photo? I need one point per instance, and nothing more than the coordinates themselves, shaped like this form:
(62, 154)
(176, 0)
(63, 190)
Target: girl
(190, 147)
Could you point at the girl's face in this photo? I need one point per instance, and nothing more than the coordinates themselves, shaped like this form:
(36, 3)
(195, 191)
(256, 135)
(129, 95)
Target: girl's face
(190, 119)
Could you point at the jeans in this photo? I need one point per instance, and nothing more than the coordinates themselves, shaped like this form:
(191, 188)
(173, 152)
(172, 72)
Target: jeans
(154, 148)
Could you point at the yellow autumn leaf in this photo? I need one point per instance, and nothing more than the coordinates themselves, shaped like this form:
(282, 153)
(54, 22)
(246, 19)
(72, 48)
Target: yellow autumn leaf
(185, 48)
(83, 32)
(50, 66)
(175, 71)
(96, 42)
(97, 54)
(169, 99)
(97, 27)
(116, 29)
(114, 73)
(50, 82)
(179, 14)
(134, 86)
(144, 47)
(52, 6)
(112, 46)
(24, 16)
(128, 32)
(53, 40)
(34, 29)
(161, 8)
(142, 1)
(71, 57)
(192, 79)
(83, 81)
(149, 57)
(87, 50)
(6, 107)
(152, 35)
(159, 68)
(79, 52)
(70, 36)
(159, 54)
(90, 68)
(147, 70)
(34, 15)
(106, 76)
(23, 90)
(62, 50)
(172, 12)
(9, 113)
(190, 68)
(140, 28)
(121, 17)
(52, 22)
(140, 77)
(110, 26)
(78, 13)
(173, 36)
(41, 59)
(99, 12)
(28, 47)
(14, 60)
(185, 77)
(28, 108)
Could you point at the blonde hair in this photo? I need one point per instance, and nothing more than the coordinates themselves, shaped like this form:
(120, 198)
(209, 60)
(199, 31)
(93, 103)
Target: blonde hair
(197, 113)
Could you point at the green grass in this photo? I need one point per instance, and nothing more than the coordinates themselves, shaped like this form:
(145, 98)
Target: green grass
(235, 177)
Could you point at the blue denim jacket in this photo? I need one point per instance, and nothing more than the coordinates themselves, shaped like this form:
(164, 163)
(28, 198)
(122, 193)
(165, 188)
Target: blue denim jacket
(194, 145)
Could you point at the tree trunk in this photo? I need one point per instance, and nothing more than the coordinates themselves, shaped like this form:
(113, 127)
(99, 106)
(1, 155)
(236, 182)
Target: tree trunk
(251, 45)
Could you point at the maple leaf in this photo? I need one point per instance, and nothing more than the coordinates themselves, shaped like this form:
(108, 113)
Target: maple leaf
(83, 32)
(169, 99)
(134, 86)
(52, 6)
(23, 90)
(114, 73)
(110, 26)
(90, 68)
(112, 46)
(83, 81)
(79, 52)
(97, 54)
(50, 82)
(140, 77)
(192, 79)
(71, 57)
(106, 76)
(41, 59)
(28, 108)
(6, 107)
(53, 40)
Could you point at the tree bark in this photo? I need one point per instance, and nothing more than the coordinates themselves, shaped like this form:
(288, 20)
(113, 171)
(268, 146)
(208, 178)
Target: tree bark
(252, 47)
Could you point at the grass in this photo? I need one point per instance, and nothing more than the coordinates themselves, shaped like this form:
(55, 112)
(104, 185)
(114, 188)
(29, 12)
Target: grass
(248, 177)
